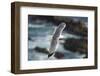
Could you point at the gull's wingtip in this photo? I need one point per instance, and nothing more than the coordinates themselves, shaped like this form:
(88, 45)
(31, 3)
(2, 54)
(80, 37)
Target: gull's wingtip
(49, 55)
(62, 25)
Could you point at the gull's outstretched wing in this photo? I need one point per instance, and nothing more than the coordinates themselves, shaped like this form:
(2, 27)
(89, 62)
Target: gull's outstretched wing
(55, 39)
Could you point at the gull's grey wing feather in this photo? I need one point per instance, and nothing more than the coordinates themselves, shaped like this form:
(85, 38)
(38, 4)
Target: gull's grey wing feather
(55, 38)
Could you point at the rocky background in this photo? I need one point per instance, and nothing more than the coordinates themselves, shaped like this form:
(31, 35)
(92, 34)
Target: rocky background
(74, 40)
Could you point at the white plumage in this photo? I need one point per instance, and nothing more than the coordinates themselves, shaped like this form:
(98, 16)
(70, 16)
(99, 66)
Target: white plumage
(55, 39)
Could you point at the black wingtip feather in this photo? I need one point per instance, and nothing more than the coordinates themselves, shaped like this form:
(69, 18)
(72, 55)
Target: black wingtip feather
(50, 55)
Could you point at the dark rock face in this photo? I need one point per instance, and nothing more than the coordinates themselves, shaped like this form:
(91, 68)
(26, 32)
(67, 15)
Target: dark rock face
(41, 50)
(74, 27)
(76, 45)
(77, 28)
(59, 55)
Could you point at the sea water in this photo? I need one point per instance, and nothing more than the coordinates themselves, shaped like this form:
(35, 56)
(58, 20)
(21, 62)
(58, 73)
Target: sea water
(40, 36)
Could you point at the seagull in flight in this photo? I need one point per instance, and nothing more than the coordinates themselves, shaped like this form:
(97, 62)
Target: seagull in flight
(55, 39)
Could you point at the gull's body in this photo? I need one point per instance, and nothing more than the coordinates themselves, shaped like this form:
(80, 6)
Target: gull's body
(55, 39)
